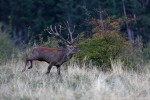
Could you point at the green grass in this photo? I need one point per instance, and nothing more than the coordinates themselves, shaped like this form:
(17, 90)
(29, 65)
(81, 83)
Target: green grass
(74, 84)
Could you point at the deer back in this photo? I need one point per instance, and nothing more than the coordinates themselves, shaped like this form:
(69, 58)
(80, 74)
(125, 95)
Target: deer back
(47, 54)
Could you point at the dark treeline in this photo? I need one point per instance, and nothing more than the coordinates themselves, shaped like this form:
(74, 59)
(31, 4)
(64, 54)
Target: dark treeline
(27, 18)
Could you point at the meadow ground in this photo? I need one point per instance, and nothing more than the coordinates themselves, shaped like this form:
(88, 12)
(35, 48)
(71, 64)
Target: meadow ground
(74, 84)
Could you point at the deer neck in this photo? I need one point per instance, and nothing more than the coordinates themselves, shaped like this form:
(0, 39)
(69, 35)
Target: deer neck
(68, 53)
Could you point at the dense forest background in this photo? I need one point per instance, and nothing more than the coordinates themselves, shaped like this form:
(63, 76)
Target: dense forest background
(28, 18)
(109, 29)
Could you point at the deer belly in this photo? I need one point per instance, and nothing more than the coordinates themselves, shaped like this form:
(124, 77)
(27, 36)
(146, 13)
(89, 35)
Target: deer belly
(44, 58)
(41, 59)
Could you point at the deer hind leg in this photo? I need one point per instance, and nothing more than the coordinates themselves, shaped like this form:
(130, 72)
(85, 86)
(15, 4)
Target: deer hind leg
(58, 69)
(49, 69)
(25, 65)
(31, 65)
(27, 60)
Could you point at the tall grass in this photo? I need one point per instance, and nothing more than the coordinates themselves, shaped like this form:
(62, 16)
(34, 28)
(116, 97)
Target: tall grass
(7, 47)
(74, 84)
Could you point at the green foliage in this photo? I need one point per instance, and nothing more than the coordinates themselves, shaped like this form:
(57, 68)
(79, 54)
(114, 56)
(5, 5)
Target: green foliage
(100, 51)
(104, 45)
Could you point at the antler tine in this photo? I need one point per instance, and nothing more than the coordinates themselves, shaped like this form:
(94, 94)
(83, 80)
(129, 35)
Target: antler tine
(68, 26)
(72, 40)
(51, 28)
(74, 28)
(70, 32)
(56, 32)
(50, 31)
(60, 29)
(76, 39)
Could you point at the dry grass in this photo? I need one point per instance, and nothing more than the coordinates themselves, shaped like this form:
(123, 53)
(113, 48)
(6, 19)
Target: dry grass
(75, 84)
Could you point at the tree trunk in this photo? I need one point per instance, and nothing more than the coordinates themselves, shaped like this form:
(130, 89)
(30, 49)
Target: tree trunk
(129, 31)
(101, 19)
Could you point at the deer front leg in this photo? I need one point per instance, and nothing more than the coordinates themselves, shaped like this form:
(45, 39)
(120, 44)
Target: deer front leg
(49, 69)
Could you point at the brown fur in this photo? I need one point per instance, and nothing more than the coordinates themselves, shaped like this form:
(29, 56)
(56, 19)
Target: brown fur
(53, 56)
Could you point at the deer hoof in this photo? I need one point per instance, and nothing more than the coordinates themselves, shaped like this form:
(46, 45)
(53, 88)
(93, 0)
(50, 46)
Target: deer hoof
(29, 67)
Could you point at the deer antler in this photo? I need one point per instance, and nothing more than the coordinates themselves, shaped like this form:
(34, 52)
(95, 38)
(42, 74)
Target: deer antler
(70, 31)
(56, 33)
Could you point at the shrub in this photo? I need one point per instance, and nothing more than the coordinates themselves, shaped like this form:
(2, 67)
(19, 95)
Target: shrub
(101, 50)
(104, 45)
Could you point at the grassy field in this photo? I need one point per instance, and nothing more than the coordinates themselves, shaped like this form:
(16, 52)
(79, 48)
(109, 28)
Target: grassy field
(74, 84)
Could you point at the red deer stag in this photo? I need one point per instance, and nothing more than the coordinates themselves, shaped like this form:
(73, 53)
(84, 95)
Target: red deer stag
(54, 56)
